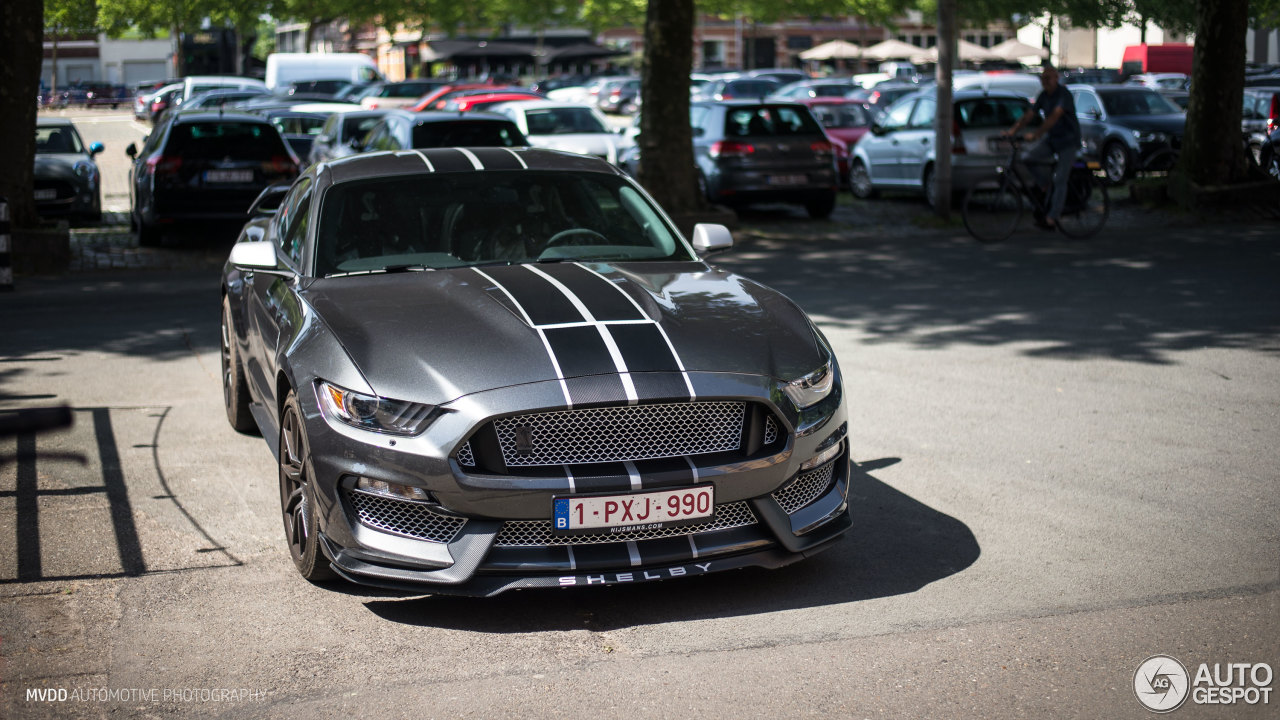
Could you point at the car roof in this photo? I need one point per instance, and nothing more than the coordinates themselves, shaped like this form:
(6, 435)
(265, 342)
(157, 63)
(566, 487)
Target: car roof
(430, 116)
(461, 160)
(203, 115)
(544, 104)
(54, 122)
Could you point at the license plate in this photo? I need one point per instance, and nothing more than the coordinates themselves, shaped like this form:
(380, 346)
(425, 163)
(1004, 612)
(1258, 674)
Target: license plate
(46, 194)
(615, 511)
(788, 179)
(228, 176)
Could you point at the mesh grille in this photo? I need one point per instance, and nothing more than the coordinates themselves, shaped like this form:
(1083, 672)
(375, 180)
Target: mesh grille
(805, 489)
(611, 434)
(538, 533)
(465, 457)
(404, 517)
(770, 431)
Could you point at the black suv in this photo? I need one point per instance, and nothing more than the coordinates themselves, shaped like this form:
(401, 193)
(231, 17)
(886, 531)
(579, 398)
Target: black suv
(199, 167)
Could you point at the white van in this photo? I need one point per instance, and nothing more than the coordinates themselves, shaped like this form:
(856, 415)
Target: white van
(284, 69)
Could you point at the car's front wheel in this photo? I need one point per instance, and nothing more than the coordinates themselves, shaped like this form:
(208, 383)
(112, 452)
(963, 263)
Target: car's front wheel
(235, 396)
(860, 181)
(297, 501)
(1115, 162)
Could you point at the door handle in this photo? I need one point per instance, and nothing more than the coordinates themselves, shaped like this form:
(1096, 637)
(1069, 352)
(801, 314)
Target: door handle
(924, 141)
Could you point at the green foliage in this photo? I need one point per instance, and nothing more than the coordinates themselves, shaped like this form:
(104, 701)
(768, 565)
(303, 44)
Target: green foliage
(599, 15)
(67, 17)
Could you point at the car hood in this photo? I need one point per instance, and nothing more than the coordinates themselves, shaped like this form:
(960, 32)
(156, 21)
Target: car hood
(435, 336)
(1172, 124)
(605, 145)
(57, 165)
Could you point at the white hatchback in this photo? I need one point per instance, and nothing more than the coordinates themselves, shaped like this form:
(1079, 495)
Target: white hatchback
(569, 127)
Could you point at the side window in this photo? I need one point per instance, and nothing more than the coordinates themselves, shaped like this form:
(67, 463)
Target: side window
(292, 208)
(924, 113)
(1086, 104)
(897, 117)
(330, 129)
(297, 237)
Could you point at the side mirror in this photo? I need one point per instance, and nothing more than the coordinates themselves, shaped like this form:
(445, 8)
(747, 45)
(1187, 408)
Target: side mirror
(268, 201)
(96, 148)
(877, 129)
(131, 150)
(1095, 113)
(699, 132)
(709, 238)
(260, 255)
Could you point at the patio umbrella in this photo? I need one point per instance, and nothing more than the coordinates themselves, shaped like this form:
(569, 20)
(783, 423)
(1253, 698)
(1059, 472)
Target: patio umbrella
(890, 49)
(1014, 49)
(965, 51)
(833, 50)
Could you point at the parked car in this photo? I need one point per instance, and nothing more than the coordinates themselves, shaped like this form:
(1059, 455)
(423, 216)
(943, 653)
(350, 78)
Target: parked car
(436, 100)
(220, 98)
(780, 75)
(299, 128)
(1089, 76)
(162, 101)
(404, 130)
(1181, 98)
(104, 94)
(899, 152)
(1261, 108)
(565, 126)
(397, 94)
(199, 167)
(143, 93)
(485, 100)
(742, 88)
(1269, 154)
(619, 96)
(1160, 81)
(1024, 84)
(66, 179)
(193, 84)
(882, 95)
(845, 122)
(806, 89)
(759, 152)
(500, 369)
(342, 134)
(1128, 128)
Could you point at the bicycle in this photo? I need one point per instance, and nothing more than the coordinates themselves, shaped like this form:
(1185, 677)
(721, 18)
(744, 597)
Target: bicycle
(992, 211)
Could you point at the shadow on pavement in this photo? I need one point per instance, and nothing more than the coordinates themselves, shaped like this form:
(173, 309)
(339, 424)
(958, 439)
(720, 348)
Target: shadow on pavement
(897, 545)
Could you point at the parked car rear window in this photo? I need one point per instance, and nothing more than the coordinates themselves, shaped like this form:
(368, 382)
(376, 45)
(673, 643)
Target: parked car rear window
(213, 140)
(555, 121)
(990, 112)
(467, 134)
(841, 116)
(766, 120)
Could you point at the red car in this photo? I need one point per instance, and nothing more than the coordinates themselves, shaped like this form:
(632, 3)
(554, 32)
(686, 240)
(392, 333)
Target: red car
(481, 101)
(845, 122)
(436, 100)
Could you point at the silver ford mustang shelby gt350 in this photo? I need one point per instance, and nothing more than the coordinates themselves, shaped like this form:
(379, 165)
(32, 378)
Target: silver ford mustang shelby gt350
(487, 369)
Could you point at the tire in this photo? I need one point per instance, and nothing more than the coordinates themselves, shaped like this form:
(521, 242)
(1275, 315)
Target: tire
(235, 396)
(991, 213)
(860, 181)
(821, 207)
(1086, 208)
(1115, 163)
(930, 188)
(297, 501)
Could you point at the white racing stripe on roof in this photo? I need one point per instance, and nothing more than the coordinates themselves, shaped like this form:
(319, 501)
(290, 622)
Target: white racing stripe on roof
(519, 159)
(475, 161)
(619, 363)
(555, 364)
(430, 167)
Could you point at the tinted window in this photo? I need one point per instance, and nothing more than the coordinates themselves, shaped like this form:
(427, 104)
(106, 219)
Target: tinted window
(990, 112)
(216, 140)
(298, 125)
(924, 113)
(358, 126)
(467, 134)
(456, 219)
(769, 120)
(1086, 103)
(57, 140)
(841, 116)
(556, 121)
(1137, 102)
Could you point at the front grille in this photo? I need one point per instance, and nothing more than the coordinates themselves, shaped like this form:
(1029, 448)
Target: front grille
(538, 533)
(611, 434)
(404, 517)
(770, 431)
(805, 489)
(465, 456)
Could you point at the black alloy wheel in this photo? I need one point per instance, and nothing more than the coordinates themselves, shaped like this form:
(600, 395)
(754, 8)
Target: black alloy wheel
(297, 505)
(235, 396)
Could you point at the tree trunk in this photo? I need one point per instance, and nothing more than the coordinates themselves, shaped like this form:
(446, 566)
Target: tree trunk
(1212, 153)
(942, 119)
(666, 140)
(21, 54)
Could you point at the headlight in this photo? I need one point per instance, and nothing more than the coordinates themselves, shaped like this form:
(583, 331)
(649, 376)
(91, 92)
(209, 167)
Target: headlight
(1147, 137)
(367, 412)
(84, 169)
(812, 387)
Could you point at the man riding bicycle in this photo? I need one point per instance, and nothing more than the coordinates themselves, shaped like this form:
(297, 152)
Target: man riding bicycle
(1063, 139)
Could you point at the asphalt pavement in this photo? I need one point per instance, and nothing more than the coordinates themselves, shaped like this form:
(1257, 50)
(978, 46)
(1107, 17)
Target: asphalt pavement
(1073, 461)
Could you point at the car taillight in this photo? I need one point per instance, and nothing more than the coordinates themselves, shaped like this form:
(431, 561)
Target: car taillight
(731, 148)
(1273, 122)
(822, 147)
(373, 104)
(161, 165)
(280, 165)
(875, 95)
(957, 140)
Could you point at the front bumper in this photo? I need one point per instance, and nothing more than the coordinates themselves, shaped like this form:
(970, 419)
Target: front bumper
(485, 533)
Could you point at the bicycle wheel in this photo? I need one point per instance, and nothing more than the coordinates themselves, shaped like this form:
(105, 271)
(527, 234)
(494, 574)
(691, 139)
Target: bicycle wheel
(1087, 206)
(991, 212)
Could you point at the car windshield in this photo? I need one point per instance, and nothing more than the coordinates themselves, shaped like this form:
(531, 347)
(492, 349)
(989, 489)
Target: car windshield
(558, 121)
(58, 139)
(1137, 102)
(467, 133)
(841, 116)
(449, 220)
